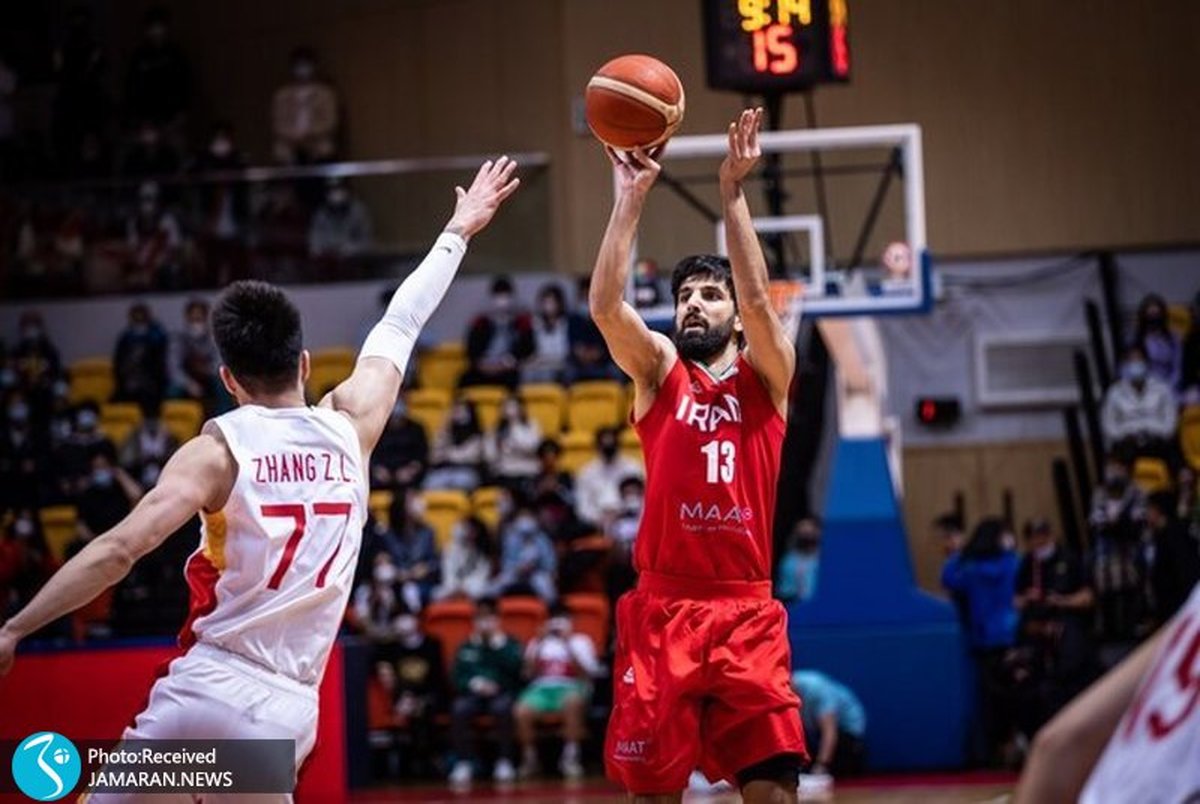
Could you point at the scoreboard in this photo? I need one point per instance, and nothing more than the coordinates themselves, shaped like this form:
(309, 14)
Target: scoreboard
(764, 46)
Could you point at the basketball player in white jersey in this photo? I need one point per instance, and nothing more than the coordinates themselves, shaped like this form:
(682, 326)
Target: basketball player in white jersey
(281, 488)
(1133, 736)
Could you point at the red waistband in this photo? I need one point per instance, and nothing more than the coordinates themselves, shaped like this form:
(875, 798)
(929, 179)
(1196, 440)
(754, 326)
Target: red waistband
(701, 588)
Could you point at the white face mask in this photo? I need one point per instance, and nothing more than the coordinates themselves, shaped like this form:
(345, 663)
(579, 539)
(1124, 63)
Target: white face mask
(406, 625)
(1044, 553)
(385, 573)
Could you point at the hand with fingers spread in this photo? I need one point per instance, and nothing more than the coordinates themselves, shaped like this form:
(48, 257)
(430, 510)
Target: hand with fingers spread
(476, 205)
(636, 172)
(744, 150)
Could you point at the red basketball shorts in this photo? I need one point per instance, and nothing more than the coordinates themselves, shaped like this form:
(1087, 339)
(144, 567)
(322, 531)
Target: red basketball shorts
(702, 679)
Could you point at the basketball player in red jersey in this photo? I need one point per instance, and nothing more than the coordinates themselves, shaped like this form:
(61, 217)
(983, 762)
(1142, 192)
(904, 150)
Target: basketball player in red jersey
(702, 673)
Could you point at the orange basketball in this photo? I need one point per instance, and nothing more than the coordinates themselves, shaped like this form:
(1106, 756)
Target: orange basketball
(634, 101)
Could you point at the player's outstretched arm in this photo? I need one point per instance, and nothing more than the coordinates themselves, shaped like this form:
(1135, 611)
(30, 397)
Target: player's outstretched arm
(770, 351)
(641, 353)
(197, 477)
(370, 392)
(1069, 746)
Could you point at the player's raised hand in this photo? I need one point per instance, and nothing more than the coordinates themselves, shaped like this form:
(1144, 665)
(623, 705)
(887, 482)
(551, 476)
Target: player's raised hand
(478, 204)
(636, 172)
(744, 150)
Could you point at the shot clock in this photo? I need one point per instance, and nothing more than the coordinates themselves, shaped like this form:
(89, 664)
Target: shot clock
(766, 46)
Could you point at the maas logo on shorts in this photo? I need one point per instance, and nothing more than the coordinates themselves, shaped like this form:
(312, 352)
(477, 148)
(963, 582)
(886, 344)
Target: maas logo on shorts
(46, 766)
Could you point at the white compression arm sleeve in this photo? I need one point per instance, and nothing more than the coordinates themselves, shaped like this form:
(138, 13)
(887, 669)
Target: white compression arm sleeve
(394, 337)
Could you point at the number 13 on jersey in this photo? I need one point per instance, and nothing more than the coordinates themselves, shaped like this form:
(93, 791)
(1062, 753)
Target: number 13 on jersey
(721, 456)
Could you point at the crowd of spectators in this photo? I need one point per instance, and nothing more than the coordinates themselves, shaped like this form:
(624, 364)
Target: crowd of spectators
(148, 207)
(1044, 623)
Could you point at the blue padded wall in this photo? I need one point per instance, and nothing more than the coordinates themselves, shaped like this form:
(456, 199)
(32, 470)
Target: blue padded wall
(901, 650)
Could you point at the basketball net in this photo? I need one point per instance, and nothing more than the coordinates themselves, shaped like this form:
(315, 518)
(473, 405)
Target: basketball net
(787, 297)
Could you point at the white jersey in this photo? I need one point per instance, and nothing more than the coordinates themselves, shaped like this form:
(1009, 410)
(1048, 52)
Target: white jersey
(1154, 755)
(274, 569)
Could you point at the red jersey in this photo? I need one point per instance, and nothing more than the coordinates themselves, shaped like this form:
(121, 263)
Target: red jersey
(712, 462)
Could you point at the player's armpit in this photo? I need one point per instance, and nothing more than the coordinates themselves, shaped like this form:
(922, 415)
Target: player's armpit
(367, 398)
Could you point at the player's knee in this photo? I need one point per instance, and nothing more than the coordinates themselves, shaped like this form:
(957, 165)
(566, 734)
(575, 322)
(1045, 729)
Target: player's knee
(782, 769)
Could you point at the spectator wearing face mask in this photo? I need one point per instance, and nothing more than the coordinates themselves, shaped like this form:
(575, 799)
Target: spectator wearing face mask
(1119, 559)
(377, 600)
(511, 449)
(798, 567)
(549, 477)
(559, 665)
(418, 689)
(140, 359)
(74, 460)
(149, 446)
(498, 341)
(486, 677)
(402, 455)
(466, 562)
(597, 486)
(155, 242)
(34, 356)
(23, 464)
(590, 358)
(192, 359)
(304, 114)
(224, 210)
(528, 562)
(647, 290)
(1139, 412)
(24, 560)
(551, 344)
(107, 497)
(409, 540)
(341, 227)
(1175, 568)
(1054, 600)
(1162, 348)
(457, 450)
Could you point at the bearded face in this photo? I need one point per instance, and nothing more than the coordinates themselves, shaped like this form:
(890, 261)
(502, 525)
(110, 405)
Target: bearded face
(705, 319)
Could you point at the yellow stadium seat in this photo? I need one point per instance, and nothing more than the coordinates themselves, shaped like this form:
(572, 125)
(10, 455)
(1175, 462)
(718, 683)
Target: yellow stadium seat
(91, 380)
(1179, 319)
(578, 447)
(118, 420)
(183, 418)
(428, 407)
(59, 524)
(545, 403)
(595, 404)
(1151, 474)
(443, 510)
(329, 367)
(1189, 435)
(441, 366)
(487, 400)
(380, 503)
(485, 504)
(631, 445)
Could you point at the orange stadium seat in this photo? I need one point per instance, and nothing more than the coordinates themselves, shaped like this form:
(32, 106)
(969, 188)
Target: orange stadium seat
(380, 503)
(545, 403)
(589, 615)
(578, 447)
(183, 418)
(487, 400)
(1179, 319)
(450, 622)
(595, 404)
(428, 407)
(91, 380)
(118, 420)
(521, 616)
(441, 366)
(1189, 435)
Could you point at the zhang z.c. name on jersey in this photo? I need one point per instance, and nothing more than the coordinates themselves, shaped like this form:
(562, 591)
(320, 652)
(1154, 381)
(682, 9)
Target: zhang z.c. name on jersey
(301, 467)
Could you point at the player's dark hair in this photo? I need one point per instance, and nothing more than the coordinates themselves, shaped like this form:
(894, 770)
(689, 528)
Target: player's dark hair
(703, 265)
(257, 331)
